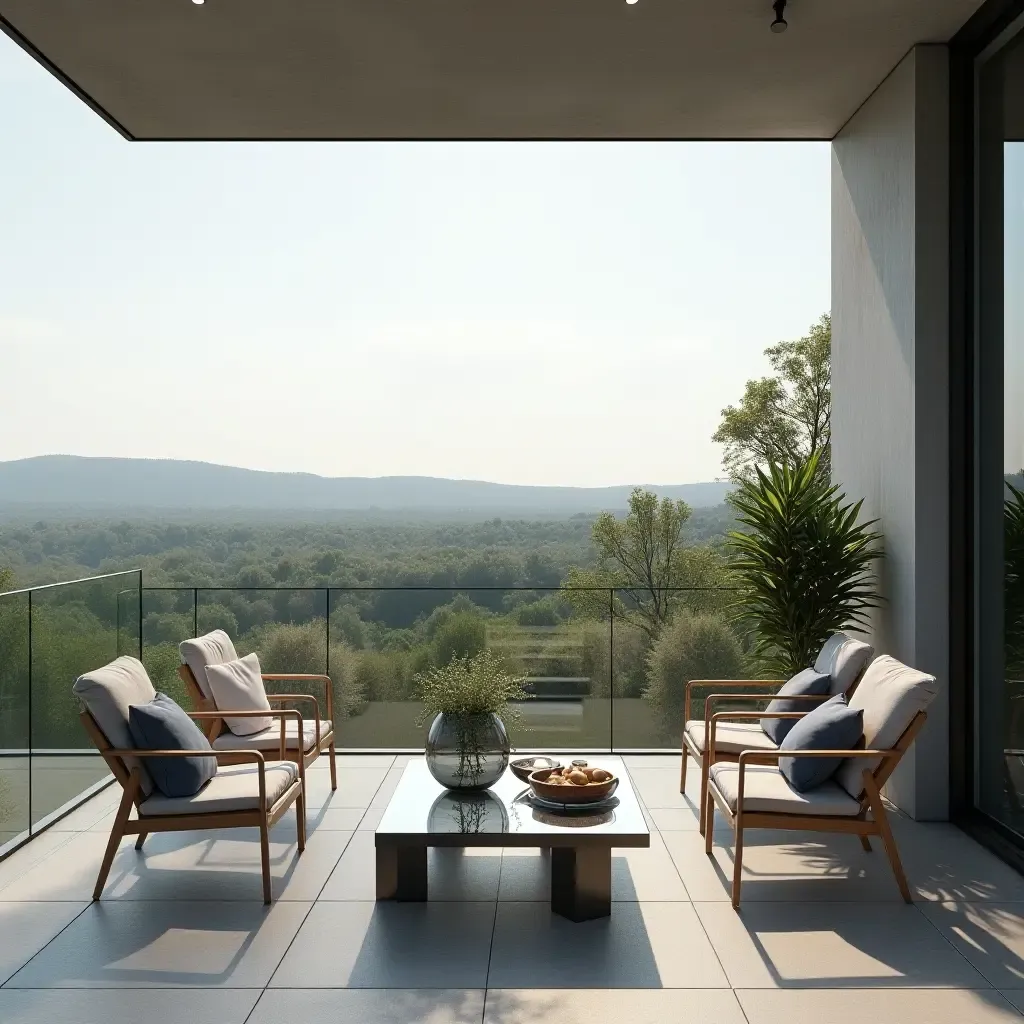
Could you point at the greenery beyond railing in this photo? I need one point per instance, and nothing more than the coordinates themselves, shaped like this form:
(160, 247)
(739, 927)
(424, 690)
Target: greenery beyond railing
(598, 678)
(601, 683)
(49, 636)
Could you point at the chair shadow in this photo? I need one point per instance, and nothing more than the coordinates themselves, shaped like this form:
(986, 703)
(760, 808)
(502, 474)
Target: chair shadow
(986, 929)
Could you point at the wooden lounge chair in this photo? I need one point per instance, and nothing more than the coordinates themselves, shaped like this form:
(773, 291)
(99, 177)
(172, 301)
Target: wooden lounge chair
(317, 734)
(842, 657)
(249, 792)
(753, 793)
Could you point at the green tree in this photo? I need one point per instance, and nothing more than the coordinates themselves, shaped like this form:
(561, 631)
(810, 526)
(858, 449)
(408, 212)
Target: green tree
(643, 558)
(692, 647)
(6, 578)
(784, 418)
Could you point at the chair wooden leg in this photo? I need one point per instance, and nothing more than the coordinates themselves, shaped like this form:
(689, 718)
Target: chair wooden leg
(737, 868)
(865, 843)
(707, 802)
(140, 840)
(334, 767)
(265, 859)
(300, 820)
(682, 771)
(882, 820)
(124, 810)
(705, 771)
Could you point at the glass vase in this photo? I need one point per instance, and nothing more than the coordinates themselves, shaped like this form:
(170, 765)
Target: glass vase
(467, 751)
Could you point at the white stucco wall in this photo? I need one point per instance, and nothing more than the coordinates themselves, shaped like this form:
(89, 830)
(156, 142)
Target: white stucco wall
(890, 199)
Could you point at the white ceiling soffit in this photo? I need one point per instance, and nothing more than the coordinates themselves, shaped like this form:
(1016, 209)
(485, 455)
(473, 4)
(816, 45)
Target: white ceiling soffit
(435, 69)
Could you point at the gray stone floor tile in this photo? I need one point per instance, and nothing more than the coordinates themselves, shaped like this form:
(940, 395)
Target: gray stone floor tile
(370, 1006)
(390, 945)
(25, 928)
(610, 1006)
(874, 1006)
(642, 945)
(121, 1006)
(833, 945)
(166, 944)
(989, 935)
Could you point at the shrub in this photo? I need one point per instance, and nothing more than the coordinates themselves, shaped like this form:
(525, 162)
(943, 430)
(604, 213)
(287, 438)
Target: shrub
(464, 635)
(690, 647)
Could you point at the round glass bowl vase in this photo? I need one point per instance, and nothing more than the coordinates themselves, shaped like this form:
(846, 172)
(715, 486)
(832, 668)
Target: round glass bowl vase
(467, 752)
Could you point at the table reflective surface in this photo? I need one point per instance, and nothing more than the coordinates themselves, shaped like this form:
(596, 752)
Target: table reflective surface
(424, 813)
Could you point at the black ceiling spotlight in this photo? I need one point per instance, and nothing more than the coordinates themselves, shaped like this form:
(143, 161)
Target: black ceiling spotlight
(779, 24)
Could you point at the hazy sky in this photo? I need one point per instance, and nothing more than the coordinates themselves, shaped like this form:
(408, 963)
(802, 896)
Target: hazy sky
(527, 313)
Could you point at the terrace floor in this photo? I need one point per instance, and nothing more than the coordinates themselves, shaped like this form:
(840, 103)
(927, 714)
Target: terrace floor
(182, 934)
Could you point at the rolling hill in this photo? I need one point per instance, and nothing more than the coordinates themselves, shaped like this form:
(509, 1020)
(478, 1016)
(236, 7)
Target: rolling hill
(75, 482)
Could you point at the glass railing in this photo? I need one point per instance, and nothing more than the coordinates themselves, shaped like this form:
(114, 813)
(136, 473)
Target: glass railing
(599, 681)
(48, 637)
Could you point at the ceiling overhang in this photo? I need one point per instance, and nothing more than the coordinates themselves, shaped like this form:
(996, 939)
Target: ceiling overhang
(475, 69)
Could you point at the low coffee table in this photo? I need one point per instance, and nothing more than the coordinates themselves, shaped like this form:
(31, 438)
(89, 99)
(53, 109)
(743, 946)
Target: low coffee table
(422, 813)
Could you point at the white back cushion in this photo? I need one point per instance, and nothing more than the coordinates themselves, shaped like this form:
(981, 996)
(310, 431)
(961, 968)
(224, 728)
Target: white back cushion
(107, 693)
(890, 695)
(215, 648)
(844, 659)
(238, 686)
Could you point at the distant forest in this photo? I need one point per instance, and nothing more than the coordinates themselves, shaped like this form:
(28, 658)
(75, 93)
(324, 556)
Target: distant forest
(371, 551)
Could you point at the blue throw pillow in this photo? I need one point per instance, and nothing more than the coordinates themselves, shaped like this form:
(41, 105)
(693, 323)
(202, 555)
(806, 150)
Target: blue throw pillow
(807, 683)
(162, 725)
(833, 725)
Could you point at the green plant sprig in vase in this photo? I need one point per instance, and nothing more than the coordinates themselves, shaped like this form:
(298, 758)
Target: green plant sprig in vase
(468, 701)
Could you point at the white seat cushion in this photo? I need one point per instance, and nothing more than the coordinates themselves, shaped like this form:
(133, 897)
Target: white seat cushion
(235, 787)
(214, 648)
(767, 790)
(730, 737)
(270, 739)
(890, 694)
(107, 693)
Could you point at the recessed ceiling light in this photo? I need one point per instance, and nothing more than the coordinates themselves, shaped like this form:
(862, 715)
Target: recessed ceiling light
(630, 1)
(199, 1)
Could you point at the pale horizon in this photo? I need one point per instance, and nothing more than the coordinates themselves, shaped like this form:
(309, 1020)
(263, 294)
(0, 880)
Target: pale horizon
(555, 314)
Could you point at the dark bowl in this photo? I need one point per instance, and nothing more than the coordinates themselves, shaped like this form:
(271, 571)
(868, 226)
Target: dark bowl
(571, 794)
(523, 767)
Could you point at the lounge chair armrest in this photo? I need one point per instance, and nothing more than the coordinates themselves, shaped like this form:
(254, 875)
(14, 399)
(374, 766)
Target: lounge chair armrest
(776, 754)
(718, 697)
(308, 677)
(301, 697)
(729, 684)
(281, 713)
(272, 713)
(748, 755)
(254, 755)
(234, 755)
(711, 724)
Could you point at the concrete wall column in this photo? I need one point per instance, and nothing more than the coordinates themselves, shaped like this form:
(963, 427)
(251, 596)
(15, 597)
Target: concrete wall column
(890, 340)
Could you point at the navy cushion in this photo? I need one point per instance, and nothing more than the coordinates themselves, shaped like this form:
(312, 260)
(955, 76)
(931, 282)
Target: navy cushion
(833, 725)
(807, 683)
(162, 725)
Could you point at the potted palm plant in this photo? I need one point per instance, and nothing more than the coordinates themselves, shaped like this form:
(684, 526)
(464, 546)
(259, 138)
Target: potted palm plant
(468, 701)
(803, 564)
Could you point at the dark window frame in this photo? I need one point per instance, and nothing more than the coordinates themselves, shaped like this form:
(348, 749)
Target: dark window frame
(982, 32)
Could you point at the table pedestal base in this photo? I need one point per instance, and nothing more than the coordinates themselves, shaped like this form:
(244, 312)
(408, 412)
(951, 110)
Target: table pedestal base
(402, 873)
(581, 882)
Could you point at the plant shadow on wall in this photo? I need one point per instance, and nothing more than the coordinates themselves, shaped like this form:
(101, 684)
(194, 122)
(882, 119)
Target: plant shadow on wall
(803, 564)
